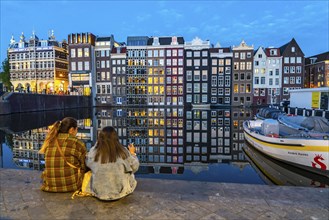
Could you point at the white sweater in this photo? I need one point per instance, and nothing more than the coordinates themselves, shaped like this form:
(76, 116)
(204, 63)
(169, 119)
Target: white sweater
(111, 181)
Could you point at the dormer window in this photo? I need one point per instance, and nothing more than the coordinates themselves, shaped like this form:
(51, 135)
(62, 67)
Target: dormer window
(313, 59)
(44, 43)
(174, 41)
(155, 41)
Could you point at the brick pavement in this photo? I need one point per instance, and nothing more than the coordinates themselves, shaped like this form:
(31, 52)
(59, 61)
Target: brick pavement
(20, 198)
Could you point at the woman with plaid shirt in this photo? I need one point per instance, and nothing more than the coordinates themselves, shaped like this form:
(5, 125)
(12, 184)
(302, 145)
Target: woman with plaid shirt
(64, 158)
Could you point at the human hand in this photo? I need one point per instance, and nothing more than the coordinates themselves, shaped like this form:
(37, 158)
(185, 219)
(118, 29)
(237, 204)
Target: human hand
(132, 148)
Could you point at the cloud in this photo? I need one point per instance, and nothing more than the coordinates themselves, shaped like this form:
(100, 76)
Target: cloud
(290, 14)
(192, 30)
(216, 18)
(142, 18)
(161, 4)
(316, 10)
(170, 13)
(199, 9)
(268, 15)
(211, 28)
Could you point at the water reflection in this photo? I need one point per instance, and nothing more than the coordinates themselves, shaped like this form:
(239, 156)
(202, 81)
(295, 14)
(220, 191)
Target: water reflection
(24, 134)
(178, 135)
(171, 142)
(274, 172)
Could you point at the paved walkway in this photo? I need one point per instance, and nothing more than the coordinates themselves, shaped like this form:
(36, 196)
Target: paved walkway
(20, 198)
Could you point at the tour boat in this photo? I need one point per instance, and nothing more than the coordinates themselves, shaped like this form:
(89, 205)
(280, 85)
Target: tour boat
(303, 149)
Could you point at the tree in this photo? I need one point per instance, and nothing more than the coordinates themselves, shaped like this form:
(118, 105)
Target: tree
(5, 74)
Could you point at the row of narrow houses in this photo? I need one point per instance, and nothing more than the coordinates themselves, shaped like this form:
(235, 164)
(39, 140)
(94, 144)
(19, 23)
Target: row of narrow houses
(163, 71)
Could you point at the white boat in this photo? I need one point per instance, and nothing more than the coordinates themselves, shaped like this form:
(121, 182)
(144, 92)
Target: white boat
(296, 147)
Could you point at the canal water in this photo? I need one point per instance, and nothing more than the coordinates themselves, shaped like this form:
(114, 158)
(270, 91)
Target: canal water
(172, 143)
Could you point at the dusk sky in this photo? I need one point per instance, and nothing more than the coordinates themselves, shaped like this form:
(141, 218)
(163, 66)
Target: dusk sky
(259, 23)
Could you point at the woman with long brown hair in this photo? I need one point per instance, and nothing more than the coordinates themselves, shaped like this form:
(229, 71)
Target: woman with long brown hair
(64, 157)
(112, 167)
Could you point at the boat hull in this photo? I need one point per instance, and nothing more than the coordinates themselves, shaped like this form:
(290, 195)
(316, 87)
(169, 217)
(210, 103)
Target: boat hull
(309, 154)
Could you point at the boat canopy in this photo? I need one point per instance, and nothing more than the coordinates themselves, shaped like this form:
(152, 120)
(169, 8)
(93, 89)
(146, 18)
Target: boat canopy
(269, 113)
(316, 123)
(312, 123)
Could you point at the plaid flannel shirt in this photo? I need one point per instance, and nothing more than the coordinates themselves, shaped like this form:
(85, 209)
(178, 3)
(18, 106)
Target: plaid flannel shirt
(58, 176)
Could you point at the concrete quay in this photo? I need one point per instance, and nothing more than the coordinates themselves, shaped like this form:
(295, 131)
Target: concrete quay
(21, 198)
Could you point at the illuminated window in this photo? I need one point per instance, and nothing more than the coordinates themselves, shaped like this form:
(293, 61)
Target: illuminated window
(86, 50)
(242, 66)
(79, 52)
(248, 65)
(236, 88)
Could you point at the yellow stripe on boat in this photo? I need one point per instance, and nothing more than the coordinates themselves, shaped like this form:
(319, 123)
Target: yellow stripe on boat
(287, 147)
(263, 170)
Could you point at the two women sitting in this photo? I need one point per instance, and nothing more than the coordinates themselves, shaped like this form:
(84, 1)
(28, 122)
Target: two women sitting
(112, 166)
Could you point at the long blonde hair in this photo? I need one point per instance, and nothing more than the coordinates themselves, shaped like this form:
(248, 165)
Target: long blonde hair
(108, 147)
(58, 127)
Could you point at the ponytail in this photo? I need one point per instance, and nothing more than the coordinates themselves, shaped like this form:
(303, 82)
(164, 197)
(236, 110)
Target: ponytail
(52, 134)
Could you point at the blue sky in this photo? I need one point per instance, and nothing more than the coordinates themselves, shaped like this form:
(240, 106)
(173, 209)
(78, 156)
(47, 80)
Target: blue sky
(259, 23)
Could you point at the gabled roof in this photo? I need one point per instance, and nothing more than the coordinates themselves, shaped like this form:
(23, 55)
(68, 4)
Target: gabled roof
(216, 49)
(259, 48)
(284, 47)
(318, 58)
(268, 52)
(116, 49)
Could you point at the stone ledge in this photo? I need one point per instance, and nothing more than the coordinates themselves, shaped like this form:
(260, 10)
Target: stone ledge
(162, 199)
